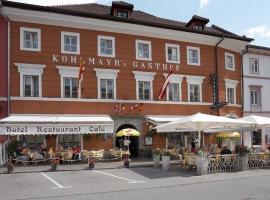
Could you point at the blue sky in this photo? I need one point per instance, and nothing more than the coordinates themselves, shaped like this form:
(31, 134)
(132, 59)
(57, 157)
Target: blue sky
(243, 17)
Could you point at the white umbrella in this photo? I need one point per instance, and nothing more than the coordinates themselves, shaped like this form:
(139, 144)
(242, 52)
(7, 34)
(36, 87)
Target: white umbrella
(258, 120)
(203, 122)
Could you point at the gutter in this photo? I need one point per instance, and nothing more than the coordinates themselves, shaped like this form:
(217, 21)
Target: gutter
(242, 77)
(216, 72)
(8, 63)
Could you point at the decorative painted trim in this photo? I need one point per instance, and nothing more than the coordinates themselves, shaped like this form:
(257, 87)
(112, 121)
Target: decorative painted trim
(167, 46)
(137, 49)
(232, 55)
(68, 72)
(106, 74)
(63, 34)
(199, 55)
(113, 46)
(38, 31)
(30, 69)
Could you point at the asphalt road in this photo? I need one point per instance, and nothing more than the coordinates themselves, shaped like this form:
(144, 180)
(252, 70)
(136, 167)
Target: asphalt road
(136, 183)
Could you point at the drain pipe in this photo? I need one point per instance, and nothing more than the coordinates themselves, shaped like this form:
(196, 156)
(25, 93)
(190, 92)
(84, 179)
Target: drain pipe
(216, 56)
(8, 64)
(242, 86)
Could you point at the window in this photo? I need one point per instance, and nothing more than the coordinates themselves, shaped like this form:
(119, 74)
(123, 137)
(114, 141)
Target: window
(30, 39)
(172, 53)
(144, 85)
(257, 137)
(30, 79)
(106, 46)
(230, 95)
(144, 90)
(31, 86)
(69, 140)
(254, 65)
(195, 88)
(199, 27)
(70, 43)
(231, 90)
(70, 87)
(174, 92)
(107, 88)
(194, 93)
(69, 82)
(174, 87)
(143, 50)
(122, 14)
(193, 56)
(32, 141)
(255, 97)
(229, 61)
(106, 83)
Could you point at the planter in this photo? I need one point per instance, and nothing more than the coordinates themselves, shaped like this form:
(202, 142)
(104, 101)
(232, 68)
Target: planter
(202, 165)
(156, 160)
(165, 163)
(243, 162)
(54, 167)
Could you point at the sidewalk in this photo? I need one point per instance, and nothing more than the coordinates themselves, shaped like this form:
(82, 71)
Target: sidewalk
(84, 166)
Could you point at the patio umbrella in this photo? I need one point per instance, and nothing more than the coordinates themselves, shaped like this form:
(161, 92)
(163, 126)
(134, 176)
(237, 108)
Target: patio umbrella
(259, 121)
(229, 134)
(203, 122)
(127, 132)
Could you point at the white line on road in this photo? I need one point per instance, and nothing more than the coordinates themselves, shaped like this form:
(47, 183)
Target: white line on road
(59, 186)
(119, 177)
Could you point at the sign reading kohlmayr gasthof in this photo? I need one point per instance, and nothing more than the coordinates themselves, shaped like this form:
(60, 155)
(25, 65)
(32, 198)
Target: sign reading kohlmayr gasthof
(53, 129)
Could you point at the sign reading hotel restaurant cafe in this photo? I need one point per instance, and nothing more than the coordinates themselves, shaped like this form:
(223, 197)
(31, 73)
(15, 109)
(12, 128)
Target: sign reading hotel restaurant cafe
(54, 129)
(91, 61)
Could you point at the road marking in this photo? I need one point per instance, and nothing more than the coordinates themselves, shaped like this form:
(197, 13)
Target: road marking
(59, 186)
(119, 177)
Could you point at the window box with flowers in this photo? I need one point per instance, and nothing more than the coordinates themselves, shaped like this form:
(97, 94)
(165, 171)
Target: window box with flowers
(166, 160)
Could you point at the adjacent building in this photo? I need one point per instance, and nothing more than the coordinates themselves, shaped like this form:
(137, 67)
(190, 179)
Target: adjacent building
(256, 81)
(126, 54)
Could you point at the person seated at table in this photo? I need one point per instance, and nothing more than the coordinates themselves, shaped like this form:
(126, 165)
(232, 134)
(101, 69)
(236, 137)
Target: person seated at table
(225, 151)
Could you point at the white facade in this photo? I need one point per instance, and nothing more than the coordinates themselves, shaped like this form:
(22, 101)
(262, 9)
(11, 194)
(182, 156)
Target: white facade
(256, 83)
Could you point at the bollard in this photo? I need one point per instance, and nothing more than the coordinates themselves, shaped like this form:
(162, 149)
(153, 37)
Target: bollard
(55, 163)
(91, 163)
(10, 166)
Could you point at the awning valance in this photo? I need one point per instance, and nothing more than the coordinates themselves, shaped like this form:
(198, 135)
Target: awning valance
(56, 124)
(162, 119)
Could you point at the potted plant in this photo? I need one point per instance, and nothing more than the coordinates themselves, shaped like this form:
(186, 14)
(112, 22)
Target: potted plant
(156, 157)
(202, 162)
(166, 160)
(243, 152)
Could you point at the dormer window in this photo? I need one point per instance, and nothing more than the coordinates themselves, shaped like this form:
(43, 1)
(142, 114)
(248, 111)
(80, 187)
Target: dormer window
(197, 22)
(122, 14)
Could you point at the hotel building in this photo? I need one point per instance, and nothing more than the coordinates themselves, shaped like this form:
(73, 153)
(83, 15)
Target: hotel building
(127, 54)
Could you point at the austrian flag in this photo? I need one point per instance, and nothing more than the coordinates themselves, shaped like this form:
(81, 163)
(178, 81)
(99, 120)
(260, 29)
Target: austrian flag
(164, 86)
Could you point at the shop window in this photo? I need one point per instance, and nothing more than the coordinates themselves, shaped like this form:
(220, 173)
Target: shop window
(69, 140)
(107, 88)
(229, 61)
(193, 56)
(71, 87)
(143, 50)
(30, 39)
(172, 53)
(257, 137)
(30, 86)
(32, 141)
(106, 46)
(175, 140)
(70, 43)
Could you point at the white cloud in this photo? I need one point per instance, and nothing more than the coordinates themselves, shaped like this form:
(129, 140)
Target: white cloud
(61, 2)
(262, 31)
(204, 3)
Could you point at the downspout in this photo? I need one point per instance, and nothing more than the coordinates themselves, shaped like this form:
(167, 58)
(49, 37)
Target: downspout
(242, 87)
(8, 63)
(216, 56)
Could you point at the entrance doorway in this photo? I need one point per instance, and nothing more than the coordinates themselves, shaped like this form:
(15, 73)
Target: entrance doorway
(134, 140)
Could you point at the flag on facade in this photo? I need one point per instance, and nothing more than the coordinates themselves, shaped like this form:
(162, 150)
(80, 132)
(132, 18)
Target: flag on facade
(164, 86)
(82, 69)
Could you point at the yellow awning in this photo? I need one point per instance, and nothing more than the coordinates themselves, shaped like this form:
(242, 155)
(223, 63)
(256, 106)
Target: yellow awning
(228, 134)
(127, 132)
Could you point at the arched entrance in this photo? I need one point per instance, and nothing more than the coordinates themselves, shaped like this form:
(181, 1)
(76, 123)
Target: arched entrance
(134, 140)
